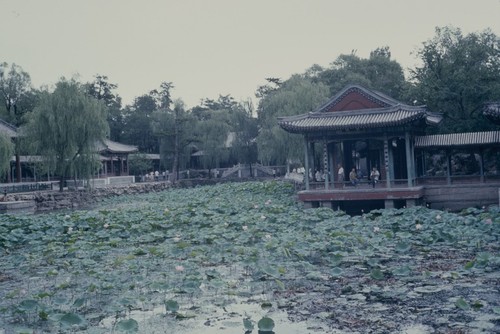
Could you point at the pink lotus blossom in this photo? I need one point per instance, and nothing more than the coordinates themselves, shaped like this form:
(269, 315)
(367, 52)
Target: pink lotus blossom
(179, 268)
(418, 226)
(106, 225)
(438, 217)
(488, 221)
(245, 228)
(376, 229)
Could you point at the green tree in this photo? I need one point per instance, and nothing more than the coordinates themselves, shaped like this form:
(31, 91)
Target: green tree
(457, 76)
(297, 95)
(139, 164)
(15, 86)
(378, 72)
(18, 99)
(6, 150)
(245, 129)
(103, 90)
(226, 131)
(174, 128)
(65, 128)
(212, 138)
(163, 96)
(137, 128)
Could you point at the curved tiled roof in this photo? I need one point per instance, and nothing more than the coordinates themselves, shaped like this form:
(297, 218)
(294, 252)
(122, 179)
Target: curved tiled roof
(371, 109)
(375, 96)
(357, 119)
(8, 129)
(114, 147)
(459, 139)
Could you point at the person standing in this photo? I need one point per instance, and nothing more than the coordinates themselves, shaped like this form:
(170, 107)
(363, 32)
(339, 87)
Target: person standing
(340, 174)
(374, 176)
(353, 177)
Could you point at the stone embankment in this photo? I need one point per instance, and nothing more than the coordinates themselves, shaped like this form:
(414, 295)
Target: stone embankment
(73, 199)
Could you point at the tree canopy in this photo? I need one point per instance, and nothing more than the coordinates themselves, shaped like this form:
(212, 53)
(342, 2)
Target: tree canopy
(377, 72)
(65, 128)
(6, 150)
(173, 128)
(458, 75)
(297, 95)
(15, 90)
(103, 90)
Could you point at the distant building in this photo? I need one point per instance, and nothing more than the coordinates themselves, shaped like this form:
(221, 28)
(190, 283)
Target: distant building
(114, 157)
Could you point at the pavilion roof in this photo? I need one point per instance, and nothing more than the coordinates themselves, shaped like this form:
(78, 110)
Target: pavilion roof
(113, 147)
(356, 108)
(458, 139)
(8, 129)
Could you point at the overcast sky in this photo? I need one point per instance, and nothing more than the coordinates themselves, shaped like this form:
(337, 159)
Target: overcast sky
(211, 47)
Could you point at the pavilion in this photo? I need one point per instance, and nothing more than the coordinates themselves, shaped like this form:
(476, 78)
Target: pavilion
(362, 128)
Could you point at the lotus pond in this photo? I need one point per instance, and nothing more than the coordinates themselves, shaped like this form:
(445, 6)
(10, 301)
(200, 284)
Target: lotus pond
(245, 257)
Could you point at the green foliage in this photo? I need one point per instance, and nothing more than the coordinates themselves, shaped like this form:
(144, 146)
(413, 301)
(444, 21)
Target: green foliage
(265, 324)
(15, 93)
(6, 151)
(462, 304)
(72, 319)
(138, 127)
(459, 74)
(171, 306)
(139, 164)
(248, 245)
(174, 128)
(127, 326)
(248, 324)
(102, 90)
(297, 95)
(65, 128)
(212, 138)
(378, 72)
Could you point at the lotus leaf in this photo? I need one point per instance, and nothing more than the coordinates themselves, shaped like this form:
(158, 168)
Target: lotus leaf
(377, 274)
(28, 305)
(72, 319)
(265, 324)
(171, 306)
(462, 304)
(127, 326)
(248, 324)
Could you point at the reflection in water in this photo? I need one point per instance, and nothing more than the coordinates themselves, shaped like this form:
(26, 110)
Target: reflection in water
(212, 319)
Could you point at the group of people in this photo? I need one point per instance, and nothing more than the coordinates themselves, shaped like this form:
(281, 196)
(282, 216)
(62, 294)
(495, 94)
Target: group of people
(356, 176)
(154, 176)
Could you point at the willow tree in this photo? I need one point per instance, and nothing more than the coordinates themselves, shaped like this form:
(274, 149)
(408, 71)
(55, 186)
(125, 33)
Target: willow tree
(65, 128)
(213, 135)
(297, 95)
(6, 150)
